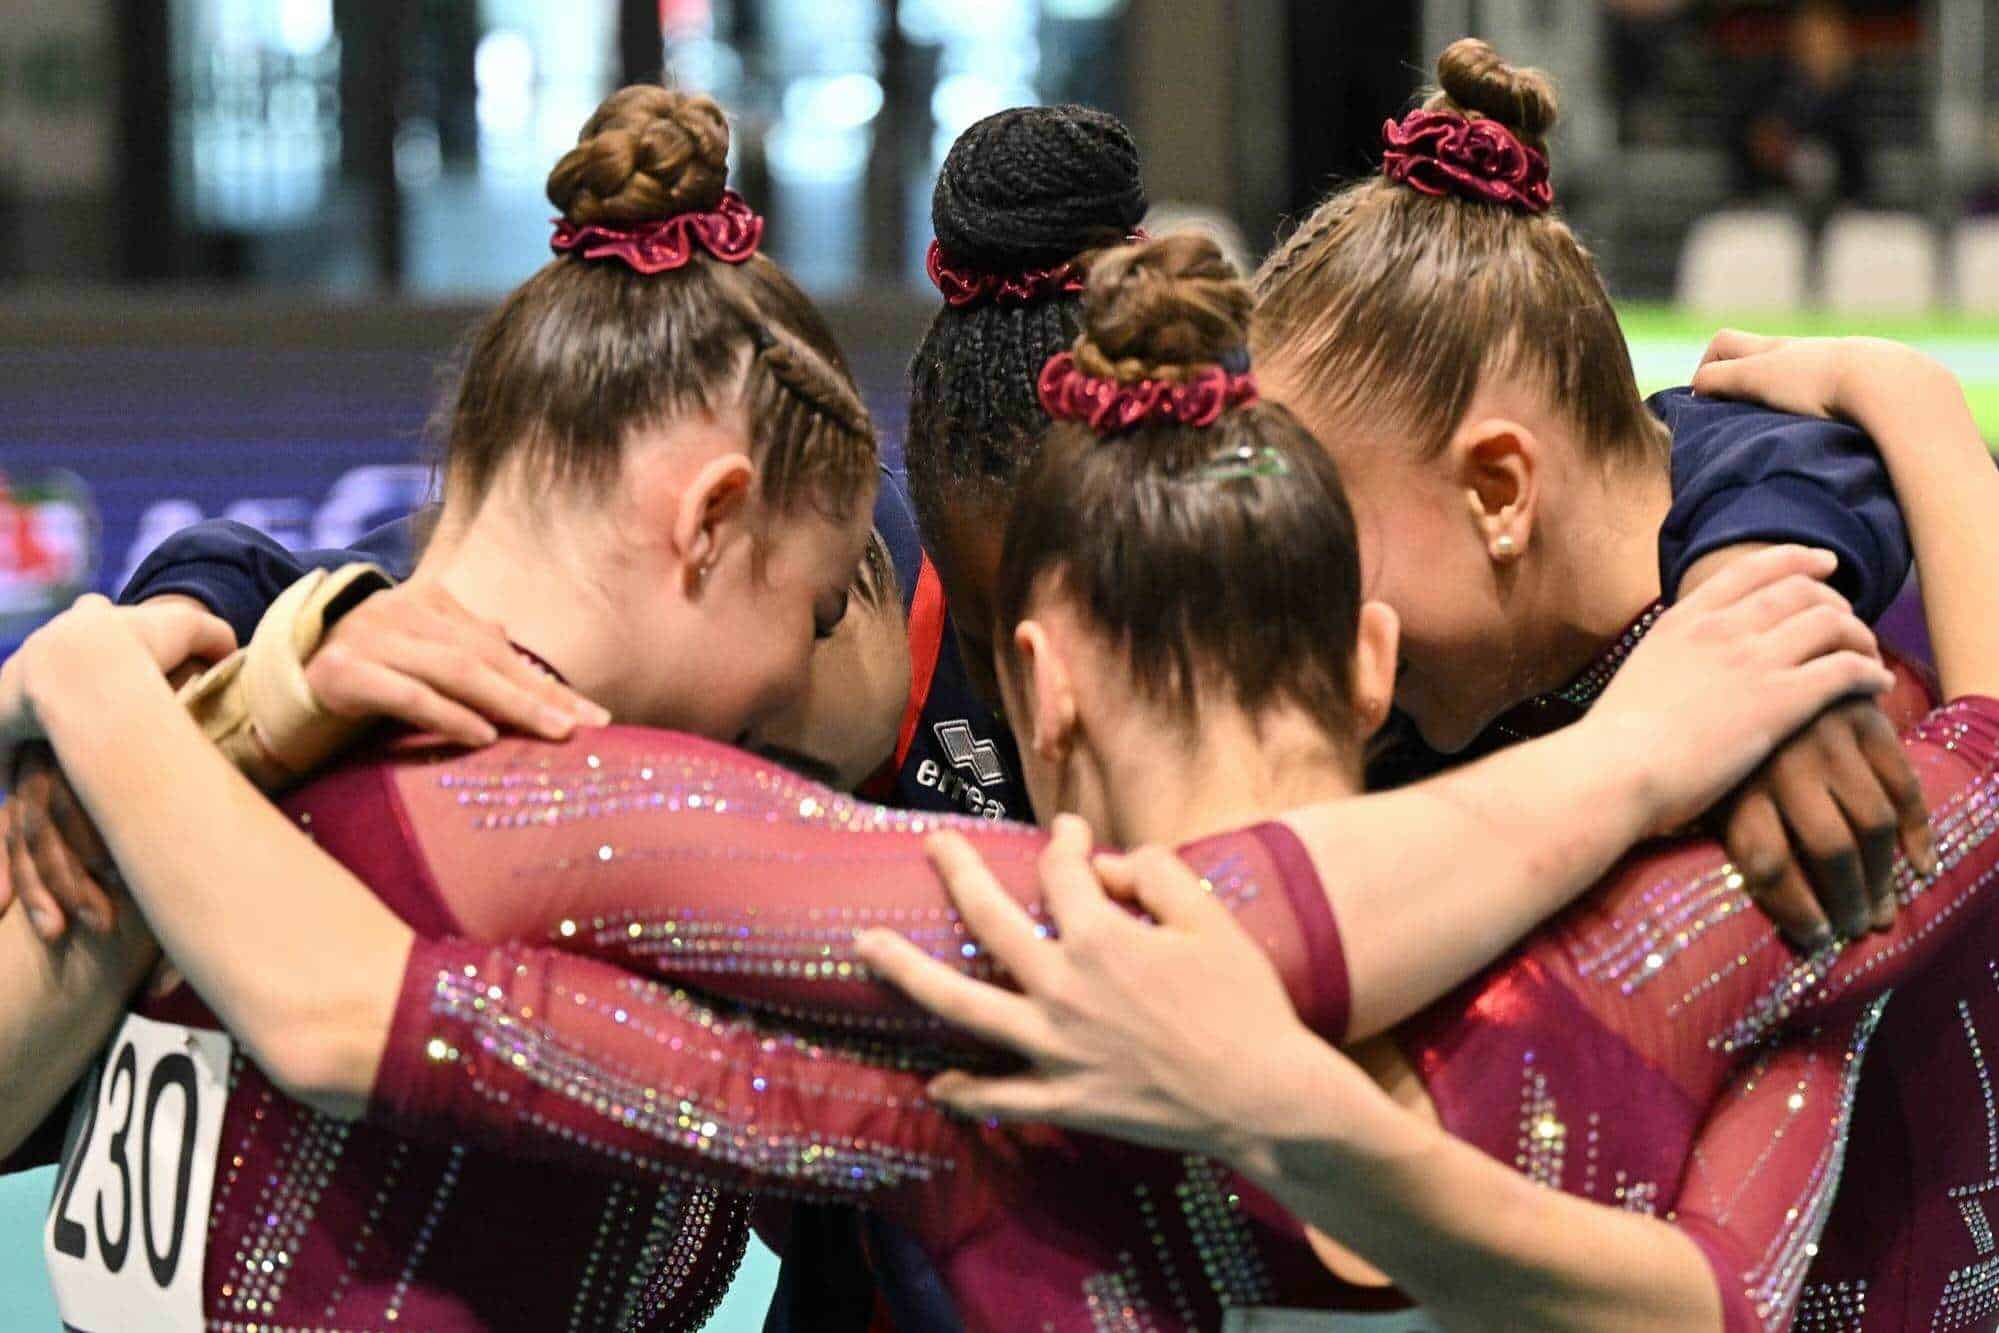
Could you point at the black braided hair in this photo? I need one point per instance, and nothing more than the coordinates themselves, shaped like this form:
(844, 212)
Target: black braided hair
(1030, 187)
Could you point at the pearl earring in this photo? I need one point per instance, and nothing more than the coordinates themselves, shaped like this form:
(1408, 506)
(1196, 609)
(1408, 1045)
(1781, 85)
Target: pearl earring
(1504, 547)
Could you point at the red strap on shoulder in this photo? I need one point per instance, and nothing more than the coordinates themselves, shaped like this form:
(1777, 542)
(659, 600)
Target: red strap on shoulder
(926, 643)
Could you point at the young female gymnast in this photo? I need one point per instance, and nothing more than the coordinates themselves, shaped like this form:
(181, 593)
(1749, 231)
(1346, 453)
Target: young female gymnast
(628, 855)
(1443, 331)
(1121, 1025)
(658, 424)
(1514, 471)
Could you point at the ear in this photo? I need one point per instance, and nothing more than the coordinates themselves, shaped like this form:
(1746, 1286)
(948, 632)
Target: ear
(1049, 702)
(712, 509)
(1374, 663)
(1497, 464)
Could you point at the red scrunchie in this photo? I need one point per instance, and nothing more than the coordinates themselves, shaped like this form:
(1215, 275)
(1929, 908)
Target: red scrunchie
(1441, 152)
(1109, 406)
(968, 286)
(730, 233)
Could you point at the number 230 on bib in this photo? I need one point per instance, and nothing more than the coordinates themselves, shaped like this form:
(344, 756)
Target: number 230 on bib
(128, 1227)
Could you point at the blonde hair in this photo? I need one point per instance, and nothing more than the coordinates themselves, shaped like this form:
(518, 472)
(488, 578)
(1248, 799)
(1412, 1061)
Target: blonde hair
(1391, 302)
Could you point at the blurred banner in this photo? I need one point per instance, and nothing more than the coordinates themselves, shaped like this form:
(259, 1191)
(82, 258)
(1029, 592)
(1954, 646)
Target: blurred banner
(104, 453)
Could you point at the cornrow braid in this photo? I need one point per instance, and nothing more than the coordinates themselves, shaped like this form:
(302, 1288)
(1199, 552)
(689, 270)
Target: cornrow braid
(1027, 188)
(811, 415)
(587, 351)
(1292, 250)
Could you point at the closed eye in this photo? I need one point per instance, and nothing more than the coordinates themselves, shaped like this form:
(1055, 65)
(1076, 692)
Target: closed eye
(826, 618)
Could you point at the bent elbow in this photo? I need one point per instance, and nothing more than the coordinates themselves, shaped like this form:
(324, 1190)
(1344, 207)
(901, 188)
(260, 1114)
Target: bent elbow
(328, 1067)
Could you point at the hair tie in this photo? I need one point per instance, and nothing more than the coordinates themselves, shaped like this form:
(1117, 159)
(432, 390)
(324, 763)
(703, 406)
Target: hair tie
(964, 285)
(1442, 152)
(1109, 406)
(730, 232)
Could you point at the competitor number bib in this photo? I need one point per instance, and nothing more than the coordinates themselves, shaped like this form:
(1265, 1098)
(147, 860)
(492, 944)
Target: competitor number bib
(128, 1227)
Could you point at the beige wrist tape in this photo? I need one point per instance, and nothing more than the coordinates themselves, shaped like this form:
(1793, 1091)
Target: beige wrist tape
(256, 705)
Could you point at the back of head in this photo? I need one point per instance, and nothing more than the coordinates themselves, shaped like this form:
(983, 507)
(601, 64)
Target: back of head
(658, 305)
(1402, 292)
(1205, 533)
(1022, 195)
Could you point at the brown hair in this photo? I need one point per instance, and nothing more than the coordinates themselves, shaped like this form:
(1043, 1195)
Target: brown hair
(1213, 557)
(588, 350)
(1388, 299)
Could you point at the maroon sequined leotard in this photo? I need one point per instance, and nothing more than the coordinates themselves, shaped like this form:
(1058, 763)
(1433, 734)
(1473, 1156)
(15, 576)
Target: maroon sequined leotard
(561, 894)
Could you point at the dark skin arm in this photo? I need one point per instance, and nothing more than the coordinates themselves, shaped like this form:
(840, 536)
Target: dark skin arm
(1815, 832)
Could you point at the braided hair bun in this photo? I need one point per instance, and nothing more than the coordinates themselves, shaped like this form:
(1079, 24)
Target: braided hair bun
(1035, 186)
(1164, 309)
(649, 153)
(1478, 81)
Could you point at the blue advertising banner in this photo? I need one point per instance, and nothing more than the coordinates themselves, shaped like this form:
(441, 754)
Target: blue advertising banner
(103, 454)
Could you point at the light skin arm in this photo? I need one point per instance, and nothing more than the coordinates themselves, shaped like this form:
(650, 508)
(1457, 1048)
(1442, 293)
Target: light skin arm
(305, 979)
(1479, 1246)
(1135, 1028)
(1944, 477)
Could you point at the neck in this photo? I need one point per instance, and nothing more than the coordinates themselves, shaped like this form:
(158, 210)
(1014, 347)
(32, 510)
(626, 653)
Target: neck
(504, 566)
(1163, 789)
(1602, 574)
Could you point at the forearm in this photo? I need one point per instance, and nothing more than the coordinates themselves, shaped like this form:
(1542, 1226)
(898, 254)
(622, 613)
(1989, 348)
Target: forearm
(1495, 848)
(295, 956)
(57, 1005)
(1949, 490)
(1476, 1244)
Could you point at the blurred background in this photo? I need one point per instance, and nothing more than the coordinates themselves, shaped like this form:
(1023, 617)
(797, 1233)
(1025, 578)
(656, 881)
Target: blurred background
(239, 237)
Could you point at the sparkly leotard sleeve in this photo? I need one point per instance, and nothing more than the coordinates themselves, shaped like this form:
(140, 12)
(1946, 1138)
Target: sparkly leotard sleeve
(629, 862)
(1659, 1048)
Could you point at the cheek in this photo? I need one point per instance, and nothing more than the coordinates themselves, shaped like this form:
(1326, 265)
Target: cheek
(769, 670)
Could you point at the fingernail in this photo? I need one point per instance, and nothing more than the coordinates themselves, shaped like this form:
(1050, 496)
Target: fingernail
(556, 722)
(45, 925)
(1927, 859)
(593, 715)
(1819, 940)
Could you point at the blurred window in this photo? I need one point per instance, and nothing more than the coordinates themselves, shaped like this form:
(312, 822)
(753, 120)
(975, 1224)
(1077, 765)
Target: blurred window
(841, 118)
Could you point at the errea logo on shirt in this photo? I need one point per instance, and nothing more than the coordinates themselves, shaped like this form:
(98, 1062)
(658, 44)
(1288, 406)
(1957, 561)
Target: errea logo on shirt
(964, 750)
(977, 763)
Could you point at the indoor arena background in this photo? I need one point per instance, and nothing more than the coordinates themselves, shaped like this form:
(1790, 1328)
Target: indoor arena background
(240, 237)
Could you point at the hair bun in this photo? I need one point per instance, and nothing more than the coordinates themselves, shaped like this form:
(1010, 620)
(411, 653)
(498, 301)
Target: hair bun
(1477, 78)
(649, 153)
(1034, 186)
(1163, 309)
